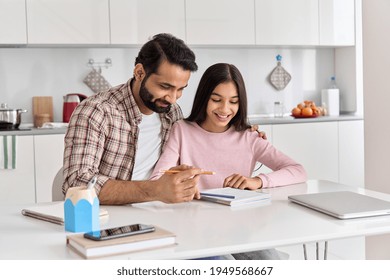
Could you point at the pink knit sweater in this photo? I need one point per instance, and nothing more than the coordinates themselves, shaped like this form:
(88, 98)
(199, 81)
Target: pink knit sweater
(226, 153)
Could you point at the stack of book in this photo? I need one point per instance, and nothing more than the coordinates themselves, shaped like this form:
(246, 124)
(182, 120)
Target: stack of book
(88, 248)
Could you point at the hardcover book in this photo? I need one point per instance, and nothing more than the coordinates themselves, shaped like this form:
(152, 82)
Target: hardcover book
(88, 248)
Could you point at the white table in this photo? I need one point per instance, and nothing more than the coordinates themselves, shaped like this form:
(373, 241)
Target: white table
(202, 228)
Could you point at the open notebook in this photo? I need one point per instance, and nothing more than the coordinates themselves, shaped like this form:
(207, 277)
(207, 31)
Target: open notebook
(343, 204)
(235, 197)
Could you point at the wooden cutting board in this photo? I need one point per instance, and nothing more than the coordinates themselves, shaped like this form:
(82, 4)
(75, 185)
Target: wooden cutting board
(43, 105)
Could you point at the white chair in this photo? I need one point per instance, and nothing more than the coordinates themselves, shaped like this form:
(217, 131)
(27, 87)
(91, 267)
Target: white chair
(57, 194)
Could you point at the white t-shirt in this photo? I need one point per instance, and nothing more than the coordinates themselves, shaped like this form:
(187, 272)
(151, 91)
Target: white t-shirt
(148, 147)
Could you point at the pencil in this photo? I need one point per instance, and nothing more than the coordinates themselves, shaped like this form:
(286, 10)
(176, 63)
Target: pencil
(177, 171)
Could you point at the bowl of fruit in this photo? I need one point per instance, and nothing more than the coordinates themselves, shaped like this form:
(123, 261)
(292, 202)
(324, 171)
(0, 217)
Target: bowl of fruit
(307, 109)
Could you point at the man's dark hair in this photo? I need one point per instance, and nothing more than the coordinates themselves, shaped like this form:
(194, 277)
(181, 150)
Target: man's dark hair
(165, 47)
(217, 74)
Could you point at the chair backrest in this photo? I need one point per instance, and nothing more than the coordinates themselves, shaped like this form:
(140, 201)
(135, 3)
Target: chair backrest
(57, 194)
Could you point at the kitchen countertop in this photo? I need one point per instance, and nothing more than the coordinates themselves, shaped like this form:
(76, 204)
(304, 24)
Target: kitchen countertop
(28, 129)
(270, 119)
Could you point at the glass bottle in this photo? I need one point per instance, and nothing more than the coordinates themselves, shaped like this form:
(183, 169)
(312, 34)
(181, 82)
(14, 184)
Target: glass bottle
(278, 109)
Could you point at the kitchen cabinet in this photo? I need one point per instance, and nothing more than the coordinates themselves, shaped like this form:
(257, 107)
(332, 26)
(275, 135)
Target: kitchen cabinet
(337, 22)
(39, 157)
(351, 172)
(305, 22)
(135, 21)
(351, 153)
(17, 185)
(220, 22)
(68, 21)
(48, 160)
(13, 22)
(314, 145)
(284, 22)
(331, 151)
(244, 22)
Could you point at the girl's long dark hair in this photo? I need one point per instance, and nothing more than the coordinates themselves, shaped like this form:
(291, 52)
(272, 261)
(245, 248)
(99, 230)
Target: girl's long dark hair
(214, 75)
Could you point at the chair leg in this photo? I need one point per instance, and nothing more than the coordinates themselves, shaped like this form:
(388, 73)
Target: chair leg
(326, 250)
(317, 251)
(304, 252)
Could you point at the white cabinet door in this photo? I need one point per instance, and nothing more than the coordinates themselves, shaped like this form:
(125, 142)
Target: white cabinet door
(227, 22)
(286, 22)
(17, 185)
(135, 21)
(326, 150)
(68, 21)
(314, 145)
(337, 22)
(49, 151)
(351, 153)
(13, 22)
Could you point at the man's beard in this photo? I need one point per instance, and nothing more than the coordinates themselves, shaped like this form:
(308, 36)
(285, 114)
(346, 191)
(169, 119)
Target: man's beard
(147, 98)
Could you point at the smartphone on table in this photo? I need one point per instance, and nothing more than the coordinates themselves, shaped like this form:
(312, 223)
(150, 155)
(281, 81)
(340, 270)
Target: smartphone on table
(117, 232)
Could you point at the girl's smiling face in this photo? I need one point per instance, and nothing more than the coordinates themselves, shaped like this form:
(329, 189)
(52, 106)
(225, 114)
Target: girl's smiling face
(222, 106)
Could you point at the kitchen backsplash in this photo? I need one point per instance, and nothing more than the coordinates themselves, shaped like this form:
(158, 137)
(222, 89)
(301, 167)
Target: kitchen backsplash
(28, 72)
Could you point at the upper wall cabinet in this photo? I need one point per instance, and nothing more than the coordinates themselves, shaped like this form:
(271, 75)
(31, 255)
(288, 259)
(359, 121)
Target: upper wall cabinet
(68, 21)
(286, 22)
(13, 22)
(220, 22)
(337, 22)
(305, 22)
(198, 22)
(135, 21)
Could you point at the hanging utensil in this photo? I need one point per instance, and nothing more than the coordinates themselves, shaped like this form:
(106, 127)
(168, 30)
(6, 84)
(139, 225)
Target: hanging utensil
(279, 77)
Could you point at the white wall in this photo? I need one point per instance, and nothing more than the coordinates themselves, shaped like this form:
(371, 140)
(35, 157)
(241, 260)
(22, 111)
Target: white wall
(28, 72)
(376, 63)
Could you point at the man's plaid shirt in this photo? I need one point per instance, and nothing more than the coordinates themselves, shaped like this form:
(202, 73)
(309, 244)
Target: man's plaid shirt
(102, 137)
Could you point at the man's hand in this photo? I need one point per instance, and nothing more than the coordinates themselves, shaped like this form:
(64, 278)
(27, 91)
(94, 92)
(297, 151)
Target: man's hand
(262, 134)
(241, 182)
(179, 187)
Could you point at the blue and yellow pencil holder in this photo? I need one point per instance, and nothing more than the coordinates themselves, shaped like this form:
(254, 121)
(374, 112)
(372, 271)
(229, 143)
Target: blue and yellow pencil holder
(81, 210)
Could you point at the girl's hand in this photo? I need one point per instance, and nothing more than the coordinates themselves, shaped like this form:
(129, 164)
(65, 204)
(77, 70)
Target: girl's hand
(241, 182)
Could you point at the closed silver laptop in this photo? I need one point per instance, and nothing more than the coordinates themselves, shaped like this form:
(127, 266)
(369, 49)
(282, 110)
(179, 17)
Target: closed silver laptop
(343, 204)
